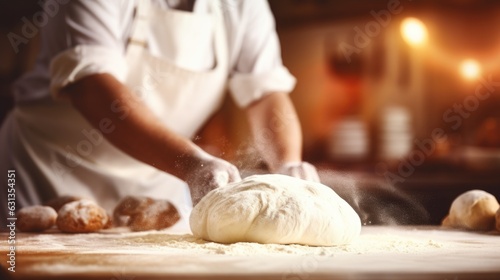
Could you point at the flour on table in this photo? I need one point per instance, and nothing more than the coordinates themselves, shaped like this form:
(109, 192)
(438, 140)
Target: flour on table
(372, 241)
(365, 244)
(381, 250)
(275, 209)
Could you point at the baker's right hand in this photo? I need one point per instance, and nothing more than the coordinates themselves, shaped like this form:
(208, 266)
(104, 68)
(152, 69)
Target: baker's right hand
(209, 173)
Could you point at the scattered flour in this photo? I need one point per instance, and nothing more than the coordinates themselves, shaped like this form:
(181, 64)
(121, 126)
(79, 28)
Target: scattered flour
(158, 242)
(366, 244)
(165, 253)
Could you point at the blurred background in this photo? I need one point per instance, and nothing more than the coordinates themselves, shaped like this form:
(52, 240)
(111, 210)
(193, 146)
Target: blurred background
(403, 95)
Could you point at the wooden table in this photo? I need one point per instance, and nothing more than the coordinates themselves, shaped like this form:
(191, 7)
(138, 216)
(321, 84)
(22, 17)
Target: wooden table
(381, 252)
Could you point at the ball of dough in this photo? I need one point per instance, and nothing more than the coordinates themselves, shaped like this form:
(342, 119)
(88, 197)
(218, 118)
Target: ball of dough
(275, 209)
(58, 202)
(473, 210)
(36, 218)
(498, 219)
(81, 216)
(144, 213)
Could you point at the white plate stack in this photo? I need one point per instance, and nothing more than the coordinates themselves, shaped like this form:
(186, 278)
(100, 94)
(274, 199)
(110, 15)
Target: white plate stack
(396, 136)
(349, 140)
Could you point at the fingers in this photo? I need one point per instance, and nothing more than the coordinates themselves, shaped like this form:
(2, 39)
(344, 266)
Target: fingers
(301, 170)
(224, 174)
(219, 178)
(294, 171)
(310, 172)
(234, 174)
(213, 174)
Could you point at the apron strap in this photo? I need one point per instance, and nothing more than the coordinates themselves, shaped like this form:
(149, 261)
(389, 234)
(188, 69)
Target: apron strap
(142, 13)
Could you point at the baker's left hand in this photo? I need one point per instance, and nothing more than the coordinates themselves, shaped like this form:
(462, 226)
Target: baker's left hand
(209, 173)
(301, 170)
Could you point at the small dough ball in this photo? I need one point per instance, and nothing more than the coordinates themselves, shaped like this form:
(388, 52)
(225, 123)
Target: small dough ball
(81, 216)
(473, 210)
(59, 202)
(36, 218)
(275, 209)
(144, 213)
(498, 219)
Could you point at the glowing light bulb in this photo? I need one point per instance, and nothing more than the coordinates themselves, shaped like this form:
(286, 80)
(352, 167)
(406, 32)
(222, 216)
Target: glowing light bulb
(470, 69)
(413, 31)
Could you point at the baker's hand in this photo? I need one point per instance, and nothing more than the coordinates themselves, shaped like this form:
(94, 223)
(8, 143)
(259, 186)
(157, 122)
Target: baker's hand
(210, 173)
(301, 170)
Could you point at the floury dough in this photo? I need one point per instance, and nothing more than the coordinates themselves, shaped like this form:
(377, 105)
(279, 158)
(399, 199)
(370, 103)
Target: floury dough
(473, 210)
(275, 209)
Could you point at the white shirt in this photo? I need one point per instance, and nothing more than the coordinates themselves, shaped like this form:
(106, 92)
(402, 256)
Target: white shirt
(89, 36)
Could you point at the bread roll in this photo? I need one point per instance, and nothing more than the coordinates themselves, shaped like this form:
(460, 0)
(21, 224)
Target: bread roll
(473, 210)
(36, 218)
(81, 216)
(144, 213)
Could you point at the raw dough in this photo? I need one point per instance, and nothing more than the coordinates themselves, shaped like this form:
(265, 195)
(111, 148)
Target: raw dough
(36, 218)
(144, 213)
(81, 216)
(472, 210)
(275, 209)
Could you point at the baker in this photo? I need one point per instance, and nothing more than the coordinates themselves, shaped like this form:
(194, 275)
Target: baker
(120, 87)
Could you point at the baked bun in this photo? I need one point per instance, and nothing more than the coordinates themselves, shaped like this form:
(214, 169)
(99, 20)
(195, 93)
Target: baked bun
(141, 213)
(36, 218)
(81, 216)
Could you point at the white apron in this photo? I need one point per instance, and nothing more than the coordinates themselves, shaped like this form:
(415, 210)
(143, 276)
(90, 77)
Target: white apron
(55, 151)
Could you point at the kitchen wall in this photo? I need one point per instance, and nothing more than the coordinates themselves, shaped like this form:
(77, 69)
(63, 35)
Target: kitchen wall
(358, 73)
(362, 89)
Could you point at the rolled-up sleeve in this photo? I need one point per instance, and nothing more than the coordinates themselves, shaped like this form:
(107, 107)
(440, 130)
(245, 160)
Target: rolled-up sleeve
(93, 44)
(258, 69)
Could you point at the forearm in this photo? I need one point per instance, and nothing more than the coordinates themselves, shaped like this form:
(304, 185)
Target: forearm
(276, 130)
(138, 132)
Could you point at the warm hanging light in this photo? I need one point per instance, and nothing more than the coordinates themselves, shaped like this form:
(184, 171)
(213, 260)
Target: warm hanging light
(413, 31)
(470, 69)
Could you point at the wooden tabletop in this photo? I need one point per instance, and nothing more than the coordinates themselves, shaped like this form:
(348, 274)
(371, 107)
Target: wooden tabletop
(381, 252)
